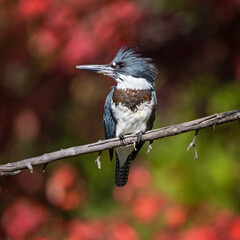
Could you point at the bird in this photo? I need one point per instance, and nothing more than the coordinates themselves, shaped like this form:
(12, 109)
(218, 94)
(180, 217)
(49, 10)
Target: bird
(130, 107)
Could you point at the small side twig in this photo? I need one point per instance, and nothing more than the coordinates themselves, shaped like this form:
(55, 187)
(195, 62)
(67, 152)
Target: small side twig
(192, 144)
(29, 166)
(97, 161)
(149, 147)
(5, 174)
(44, 167)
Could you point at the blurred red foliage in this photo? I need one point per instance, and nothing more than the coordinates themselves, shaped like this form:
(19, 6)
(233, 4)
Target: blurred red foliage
(121, 230)
(43, 42)
(139, 179)
(100, 230)
(64, 188)
(80, 47)
(89, 230)
(31, 8)
(199, 233)
(123, 195)
(164, 236)
(41, 238)
(123, 14)
(21, 218)
(222, 221)
(80, 39)
(234, 232)
(174, 216)
(27, 125)
(147, 207)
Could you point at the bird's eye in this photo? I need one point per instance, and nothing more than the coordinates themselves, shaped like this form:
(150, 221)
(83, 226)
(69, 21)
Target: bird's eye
(120, 65)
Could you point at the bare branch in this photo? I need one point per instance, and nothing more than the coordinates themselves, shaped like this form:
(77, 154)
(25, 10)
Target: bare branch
(195, 125)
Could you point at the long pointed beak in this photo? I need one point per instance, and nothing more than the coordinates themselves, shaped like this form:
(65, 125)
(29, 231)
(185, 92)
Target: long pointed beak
(103, 69)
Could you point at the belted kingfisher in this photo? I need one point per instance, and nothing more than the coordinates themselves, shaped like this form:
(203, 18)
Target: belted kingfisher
(130, 106)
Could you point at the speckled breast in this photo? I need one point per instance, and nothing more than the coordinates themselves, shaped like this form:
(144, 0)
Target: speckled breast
(131, 98)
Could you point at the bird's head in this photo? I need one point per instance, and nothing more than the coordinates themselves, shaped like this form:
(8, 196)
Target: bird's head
(128, 68)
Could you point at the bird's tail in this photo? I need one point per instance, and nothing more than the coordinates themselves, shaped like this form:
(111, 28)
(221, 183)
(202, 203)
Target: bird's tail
(121, 176)
(122, 166)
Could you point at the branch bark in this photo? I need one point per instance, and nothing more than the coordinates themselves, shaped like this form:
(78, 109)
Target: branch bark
(195, 125)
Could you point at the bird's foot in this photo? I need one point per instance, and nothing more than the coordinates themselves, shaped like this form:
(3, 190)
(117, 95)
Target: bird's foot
(139, 137)
(121, 137)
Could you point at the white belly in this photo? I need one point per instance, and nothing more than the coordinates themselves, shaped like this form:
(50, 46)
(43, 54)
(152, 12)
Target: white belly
(128, 121)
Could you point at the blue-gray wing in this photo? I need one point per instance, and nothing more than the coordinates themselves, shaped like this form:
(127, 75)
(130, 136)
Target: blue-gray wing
(152, 117)
(108, 120)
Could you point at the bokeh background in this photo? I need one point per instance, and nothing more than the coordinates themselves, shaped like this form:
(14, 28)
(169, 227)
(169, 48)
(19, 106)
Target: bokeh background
(46, 105)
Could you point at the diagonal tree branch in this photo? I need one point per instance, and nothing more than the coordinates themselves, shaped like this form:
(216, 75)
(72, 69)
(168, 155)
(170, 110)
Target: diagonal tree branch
(195, 125)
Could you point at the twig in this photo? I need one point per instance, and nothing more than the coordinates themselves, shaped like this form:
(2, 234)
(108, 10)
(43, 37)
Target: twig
(215, 119)
(149, 147)
(12, 173)
(97, 161)
(192, 144)
(29, 166)
(44, 167)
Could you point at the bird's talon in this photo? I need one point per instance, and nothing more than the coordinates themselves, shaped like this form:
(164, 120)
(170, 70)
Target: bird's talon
(121, 137)
(139, 137)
